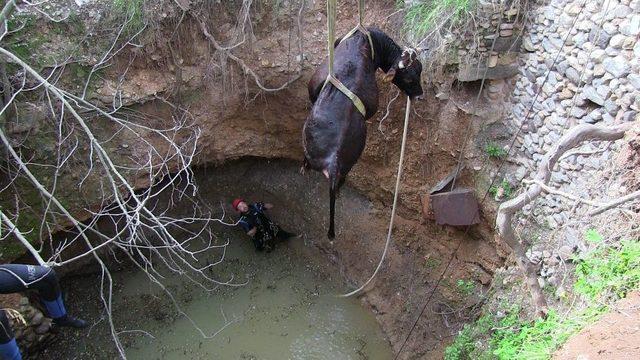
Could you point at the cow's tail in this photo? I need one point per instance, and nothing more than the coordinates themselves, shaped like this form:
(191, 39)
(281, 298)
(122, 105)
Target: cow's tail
(333, 188)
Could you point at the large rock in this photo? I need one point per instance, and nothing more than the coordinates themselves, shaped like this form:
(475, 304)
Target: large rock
(598, 55)
(604, 91)
(573, 75)
(472, 72)
(599, 70)
(617, 41)
(528, 45)
(591, 94)
(593, 117)
(611, 107)
(621, 11)
(634, 80)
(504, 44)
(578, 112)
(599, 37)
(562, 66)
(548, 46)
(617, 66)
(631, 26)
(630, 116)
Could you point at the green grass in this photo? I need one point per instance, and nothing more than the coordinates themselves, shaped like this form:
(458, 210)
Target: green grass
(519, 340)
(495, 151)
(432, 262)
(505, 186)
(466, 287)
(609, 272)
(133, 11)
(465, 346)
(426, 15)
(603, 275)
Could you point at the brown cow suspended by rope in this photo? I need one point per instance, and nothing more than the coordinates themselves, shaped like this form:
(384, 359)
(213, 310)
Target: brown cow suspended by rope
(335, 131)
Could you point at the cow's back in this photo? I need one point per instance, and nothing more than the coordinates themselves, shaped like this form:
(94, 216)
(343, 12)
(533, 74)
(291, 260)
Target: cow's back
(335, 131)
(354, 67)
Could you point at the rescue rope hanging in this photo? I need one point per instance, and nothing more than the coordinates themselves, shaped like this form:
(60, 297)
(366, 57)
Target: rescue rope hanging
(360, 27)
(407, 111)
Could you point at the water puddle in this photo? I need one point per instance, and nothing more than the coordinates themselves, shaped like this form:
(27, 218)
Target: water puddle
(288, 308)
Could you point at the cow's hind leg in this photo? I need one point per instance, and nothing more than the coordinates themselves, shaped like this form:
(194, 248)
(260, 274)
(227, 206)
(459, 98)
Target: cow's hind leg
(331, 234)
(340, 183)
(305, 166)
(333, 187)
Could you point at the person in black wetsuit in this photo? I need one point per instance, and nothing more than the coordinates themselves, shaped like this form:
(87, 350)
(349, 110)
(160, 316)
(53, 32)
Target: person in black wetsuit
(256, 224)
(19, 277)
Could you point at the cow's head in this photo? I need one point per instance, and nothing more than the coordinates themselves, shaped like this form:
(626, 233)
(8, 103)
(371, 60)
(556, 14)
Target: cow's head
(405, 73)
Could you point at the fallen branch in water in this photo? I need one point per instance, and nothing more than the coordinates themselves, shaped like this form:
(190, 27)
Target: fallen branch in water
(134, 191)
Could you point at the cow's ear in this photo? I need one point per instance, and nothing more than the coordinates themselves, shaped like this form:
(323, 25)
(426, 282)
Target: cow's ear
(388, 77)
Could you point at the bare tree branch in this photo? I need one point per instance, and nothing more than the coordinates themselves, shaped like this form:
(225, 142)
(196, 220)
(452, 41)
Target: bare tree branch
(241, 63)
(507, 210)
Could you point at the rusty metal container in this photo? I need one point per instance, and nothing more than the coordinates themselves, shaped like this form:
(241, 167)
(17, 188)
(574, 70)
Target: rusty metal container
(448, 206)
(458, 207)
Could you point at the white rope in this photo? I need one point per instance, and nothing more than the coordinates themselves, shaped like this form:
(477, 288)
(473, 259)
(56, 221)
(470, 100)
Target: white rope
(395, 200)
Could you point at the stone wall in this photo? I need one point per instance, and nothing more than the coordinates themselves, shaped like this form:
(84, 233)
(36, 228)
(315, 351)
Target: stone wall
(492, 49)
(31, 328)
(591, 77)
(549, 67)
(578, 65)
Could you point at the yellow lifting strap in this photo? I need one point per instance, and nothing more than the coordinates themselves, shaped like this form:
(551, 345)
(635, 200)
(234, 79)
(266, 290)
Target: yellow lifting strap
(331, 24)
(360, 27)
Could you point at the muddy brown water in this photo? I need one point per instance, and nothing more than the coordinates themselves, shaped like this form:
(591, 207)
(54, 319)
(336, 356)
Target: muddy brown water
(288, 308)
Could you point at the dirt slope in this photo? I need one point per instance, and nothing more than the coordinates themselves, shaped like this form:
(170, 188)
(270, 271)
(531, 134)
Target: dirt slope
(615, 336)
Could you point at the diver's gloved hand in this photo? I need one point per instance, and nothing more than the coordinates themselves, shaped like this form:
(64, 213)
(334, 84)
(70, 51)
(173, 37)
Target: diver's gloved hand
(70, 321)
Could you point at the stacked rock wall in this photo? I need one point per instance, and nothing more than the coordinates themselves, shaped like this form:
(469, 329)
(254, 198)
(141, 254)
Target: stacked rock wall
(491, 51)
(31, 328)
(579, 63)
(582, 67)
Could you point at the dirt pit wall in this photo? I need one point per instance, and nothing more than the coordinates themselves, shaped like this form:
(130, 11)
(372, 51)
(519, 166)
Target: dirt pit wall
(238, 120)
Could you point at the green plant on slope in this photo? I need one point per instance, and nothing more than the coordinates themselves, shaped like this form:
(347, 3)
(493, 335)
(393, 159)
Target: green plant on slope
(465, 346)
(495, 151)
(603, 275)
(465, 287)
(424, 16)
(132, 11)
(609, 272)
(538, 340)
(504, 186)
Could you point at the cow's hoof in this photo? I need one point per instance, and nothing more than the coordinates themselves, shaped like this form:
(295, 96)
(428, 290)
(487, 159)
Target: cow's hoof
(331, 235)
